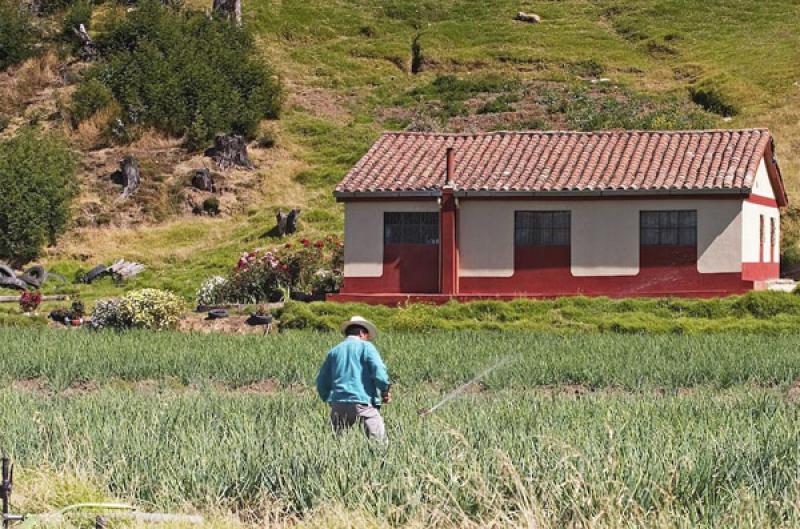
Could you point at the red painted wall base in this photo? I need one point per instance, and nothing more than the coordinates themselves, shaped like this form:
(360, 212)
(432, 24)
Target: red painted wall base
(761, 271)
(544, 272)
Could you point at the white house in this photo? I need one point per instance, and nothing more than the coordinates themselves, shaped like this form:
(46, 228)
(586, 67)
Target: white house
(542, 214)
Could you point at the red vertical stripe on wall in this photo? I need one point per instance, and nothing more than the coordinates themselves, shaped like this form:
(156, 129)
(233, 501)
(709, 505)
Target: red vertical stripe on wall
(449, 242)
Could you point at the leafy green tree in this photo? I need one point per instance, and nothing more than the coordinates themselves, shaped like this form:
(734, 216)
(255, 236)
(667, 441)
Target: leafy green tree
(17, 34)
(37, 184)
(186, 74)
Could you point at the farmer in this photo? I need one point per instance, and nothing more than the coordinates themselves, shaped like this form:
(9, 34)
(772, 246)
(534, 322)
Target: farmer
(353, 380)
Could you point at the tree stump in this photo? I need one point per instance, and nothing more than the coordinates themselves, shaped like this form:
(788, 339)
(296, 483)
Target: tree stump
(230, 151)
(127, 176)
(287, 222)
(203, 180)
(87, 50)
(230, 9)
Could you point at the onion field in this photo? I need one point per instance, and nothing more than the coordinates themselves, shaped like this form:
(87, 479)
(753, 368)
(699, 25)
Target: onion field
(578, 431)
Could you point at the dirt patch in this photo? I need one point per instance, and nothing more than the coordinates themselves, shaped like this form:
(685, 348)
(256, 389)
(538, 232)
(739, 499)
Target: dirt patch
(198, 322)
(793, 393)
(80, 387)
(261, 387)
(320, 102)
(32, 385)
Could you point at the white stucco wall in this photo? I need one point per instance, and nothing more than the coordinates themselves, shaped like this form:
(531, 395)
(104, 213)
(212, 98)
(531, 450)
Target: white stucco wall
(751, 221)
(363, 233)
(751, 232)
(761, 185)
(604, 234)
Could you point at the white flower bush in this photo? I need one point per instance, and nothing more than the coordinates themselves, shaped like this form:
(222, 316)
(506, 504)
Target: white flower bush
(106, 314)
(148, 308)
(212, 291)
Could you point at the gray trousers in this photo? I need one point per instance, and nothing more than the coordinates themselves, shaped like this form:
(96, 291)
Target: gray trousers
(345, 414)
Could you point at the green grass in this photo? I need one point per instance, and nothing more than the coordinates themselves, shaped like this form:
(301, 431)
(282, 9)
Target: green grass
(640, 431)
(759, 312)
(59, 359)
(692, 461)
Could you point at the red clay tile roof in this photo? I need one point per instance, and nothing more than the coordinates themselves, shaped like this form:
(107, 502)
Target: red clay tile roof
(532, 161)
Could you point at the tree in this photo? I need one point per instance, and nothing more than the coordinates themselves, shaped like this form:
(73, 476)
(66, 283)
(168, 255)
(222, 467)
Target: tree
(17, 34)
(185, 74)
(37, 184)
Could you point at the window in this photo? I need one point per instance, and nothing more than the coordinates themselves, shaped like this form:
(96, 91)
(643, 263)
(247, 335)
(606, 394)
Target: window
(773, 239)
(761, 238)
(416, 227)
(668, 228)
(541, 228)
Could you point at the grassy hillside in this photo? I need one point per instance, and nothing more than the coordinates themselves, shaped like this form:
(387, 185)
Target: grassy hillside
(346, 67)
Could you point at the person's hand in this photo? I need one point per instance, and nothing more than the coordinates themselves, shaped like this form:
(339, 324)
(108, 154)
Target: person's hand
(386, 397)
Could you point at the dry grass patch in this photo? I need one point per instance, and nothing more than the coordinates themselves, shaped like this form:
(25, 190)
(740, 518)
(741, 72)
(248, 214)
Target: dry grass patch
(19, 84)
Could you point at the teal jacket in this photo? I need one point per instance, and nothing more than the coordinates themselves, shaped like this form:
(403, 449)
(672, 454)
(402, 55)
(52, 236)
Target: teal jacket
(353, 371)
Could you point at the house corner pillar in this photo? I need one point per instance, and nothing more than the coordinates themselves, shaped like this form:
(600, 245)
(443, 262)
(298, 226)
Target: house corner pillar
(449, 242)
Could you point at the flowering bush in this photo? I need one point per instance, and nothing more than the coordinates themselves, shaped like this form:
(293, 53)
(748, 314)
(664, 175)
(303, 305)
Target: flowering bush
(212, 291)
(308, 268)
(29, 301)
(142, 309)
(106, 314)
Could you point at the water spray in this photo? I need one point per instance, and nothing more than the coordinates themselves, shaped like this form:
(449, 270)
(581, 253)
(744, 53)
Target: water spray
(460, 389)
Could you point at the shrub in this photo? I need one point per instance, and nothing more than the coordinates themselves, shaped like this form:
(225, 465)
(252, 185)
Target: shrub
(267, 140)
(587, 68)
(17, 34)
(615, 109)
(212, 291)
(151, 309)
(185, 74)
(310, 269)
(766, 304)
(501, 103)
(106, 314)
(90, 97)
(79, 13)
(211, 206)
(148, 308)
(36, 189)
(30, 301)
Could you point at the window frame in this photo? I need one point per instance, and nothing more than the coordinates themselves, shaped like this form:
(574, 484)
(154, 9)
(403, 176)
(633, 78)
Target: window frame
(414, 230)
(773, 239)
(685, 221)
(554, 231)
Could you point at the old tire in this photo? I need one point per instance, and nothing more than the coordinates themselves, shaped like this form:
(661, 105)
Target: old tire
(35, 276)
(6, 271)
(217, 314)
(13, 282)
(94, 273)
(256, 319)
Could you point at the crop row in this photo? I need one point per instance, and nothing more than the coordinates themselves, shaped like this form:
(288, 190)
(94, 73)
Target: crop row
(706, 459)
(441, 359)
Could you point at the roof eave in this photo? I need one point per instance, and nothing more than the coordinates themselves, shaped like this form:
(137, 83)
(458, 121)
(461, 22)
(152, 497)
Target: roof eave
(345, 195)
(577, 193)
(602, 192)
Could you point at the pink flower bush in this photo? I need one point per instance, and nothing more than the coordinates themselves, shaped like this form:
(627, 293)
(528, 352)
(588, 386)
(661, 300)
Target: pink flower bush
(307, 271)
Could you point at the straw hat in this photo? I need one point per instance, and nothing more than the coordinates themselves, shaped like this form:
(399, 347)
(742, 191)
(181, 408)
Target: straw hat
(362, 322)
